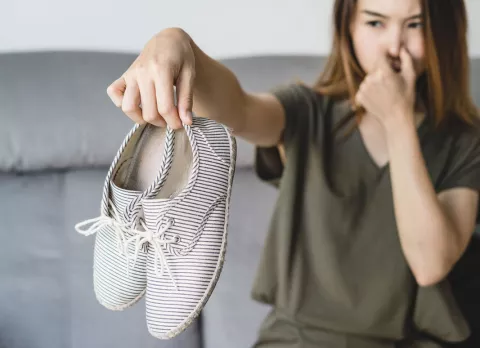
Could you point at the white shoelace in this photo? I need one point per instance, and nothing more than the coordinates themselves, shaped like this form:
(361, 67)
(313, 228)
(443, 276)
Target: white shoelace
(116, 222)
(156, 242)
(140, 237)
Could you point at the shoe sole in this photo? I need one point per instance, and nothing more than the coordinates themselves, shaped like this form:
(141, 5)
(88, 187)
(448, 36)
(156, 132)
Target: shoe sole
(198, 309)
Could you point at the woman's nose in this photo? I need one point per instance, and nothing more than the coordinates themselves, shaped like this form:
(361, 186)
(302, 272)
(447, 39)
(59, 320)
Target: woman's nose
(394, 41)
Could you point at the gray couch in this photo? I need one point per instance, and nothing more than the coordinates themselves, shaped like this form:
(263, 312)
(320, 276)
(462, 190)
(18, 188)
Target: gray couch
(58, 135)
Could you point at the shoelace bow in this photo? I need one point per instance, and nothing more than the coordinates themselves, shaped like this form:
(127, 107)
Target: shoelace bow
(157, 242)
(139, 238)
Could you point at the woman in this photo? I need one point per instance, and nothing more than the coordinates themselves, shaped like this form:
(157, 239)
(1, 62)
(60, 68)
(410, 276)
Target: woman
(380, 172)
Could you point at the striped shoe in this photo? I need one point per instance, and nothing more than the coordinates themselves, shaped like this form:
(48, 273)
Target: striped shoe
(138, 171)
(188, 221)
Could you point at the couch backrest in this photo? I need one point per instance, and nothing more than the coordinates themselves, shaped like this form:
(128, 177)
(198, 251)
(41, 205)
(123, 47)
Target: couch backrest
(55, 113)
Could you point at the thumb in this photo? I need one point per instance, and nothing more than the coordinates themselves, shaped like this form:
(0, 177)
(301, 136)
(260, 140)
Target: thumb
(184, 85)
(406, 61)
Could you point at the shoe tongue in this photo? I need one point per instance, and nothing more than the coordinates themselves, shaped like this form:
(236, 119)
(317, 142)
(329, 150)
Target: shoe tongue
(156, 207)
(154, 210)
(122, 197)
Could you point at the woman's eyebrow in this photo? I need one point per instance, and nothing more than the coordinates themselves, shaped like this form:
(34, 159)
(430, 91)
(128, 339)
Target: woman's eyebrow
(377, 14)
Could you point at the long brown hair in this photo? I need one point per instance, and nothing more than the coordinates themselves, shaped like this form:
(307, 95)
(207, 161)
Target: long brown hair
(443, 88)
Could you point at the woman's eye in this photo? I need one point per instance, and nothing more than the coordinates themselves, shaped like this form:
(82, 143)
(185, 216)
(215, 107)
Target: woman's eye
(375, 24)
(415, 25)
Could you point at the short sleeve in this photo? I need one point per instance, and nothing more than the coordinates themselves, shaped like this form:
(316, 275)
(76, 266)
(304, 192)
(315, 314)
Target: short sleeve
(295, 99)
(464, 165)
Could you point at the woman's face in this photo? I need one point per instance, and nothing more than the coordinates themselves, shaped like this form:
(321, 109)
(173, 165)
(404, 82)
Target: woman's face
(381, 27)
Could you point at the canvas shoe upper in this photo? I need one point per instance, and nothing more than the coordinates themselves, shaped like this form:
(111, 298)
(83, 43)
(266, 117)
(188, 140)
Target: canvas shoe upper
(188, 221)
(139, 170)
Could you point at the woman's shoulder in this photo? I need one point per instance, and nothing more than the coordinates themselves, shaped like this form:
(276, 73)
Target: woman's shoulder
(308, 110)
(298, 92)
(460, 131)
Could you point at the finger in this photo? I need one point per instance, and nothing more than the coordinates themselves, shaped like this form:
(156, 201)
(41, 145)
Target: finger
(165, 100)
(116, 91)
(185, 95)
(358, 100)
(362, 93)
(408, 69)
(384, 65)
(149, 103)
(131, 102)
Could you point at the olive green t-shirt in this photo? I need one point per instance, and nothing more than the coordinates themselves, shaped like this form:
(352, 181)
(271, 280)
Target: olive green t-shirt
(332, 258)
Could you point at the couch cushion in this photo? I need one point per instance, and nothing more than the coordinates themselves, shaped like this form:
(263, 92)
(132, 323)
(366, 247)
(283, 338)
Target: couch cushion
(46, 269)
(55, 112)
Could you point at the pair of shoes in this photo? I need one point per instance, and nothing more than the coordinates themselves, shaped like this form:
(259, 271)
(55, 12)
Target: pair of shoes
(163, 223)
